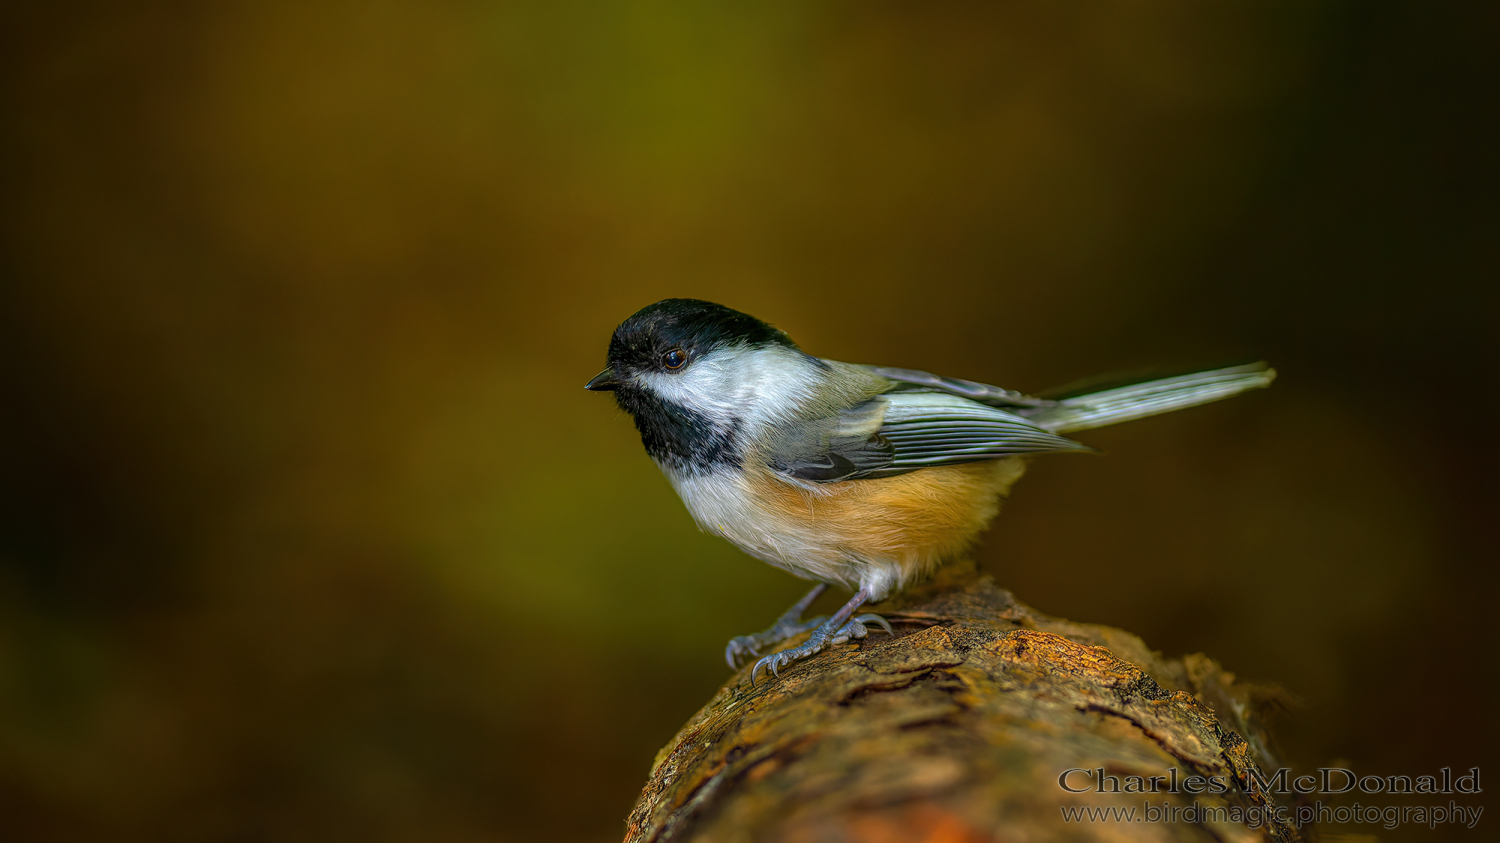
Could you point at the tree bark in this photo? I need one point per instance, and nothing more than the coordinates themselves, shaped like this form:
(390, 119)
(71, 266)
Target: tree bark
(959, 729)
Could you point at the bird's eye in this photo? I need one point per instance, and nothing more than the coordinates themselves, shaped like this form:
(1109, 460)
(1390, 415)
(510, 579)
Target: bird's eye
(674, 359)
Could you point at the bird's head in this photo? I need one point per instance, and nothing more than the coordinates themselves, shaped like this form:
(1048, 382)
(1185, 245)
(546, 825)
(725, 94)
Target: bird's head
(692, 373)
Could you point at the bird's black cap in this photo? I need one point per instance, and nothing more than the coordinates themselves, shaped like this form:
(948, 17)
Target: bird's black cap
(689, 324)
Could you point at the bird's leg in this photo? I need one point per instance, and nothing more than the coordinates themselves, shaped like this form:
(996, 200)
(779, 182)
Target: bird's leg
(837, 629)
(741, 648)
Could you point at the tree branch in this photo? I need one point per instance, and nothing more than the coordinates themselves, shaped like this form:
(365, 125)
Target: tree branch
(958, 729)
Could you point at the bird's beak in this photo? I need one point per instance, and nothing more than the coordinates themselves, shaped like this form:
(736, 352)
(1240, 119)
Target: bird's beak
(603, 382)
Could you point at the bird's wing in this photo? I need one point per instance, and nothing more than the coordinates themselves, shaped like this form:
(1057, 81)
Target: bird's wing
(903, 431)
(912, 379)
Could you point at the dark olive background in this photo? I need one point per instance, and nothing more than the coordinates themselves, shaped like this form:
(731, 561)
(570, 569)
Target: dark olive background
(308, 530)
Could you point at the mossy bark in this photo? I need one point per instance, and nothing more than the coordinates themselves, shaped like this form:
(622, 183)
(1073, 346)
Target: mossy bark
(958, 729)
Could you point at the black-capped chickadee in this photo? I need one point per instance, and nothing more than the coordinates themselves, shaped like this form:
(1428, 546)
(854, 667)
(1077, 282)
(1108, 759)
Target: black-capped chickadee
(863, 476)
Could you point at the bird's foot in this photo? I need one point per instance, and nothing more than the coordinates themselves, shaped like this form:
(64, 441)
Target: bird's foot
(822, 638)
(742, 648)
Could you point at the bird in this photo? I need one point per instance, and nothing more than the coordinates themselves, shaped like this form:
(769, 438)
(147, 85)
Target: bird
(859, 476)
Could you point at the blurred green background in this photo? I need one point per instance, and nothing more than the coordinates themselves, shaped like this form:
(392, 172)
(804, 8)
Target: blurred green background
(309, 530)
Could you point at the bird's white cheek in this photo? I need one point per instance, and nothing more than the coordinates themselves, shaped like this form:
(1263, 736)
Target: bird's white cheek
(756, 386)
(704, 387)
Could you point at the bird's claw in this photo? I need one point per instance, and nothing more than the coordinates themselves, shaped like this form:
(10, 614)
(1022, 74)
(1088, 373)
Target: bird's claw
(776, 661)
(742, 648)
(821, 639)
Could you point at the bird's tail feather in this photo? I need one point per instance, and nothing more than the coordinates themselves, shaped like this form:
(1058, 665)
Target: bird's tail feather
(1126, 403)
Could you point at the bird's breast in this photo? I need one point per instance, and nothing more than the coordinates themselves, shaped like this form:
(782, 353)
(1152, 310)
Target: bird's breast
(838, 532)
